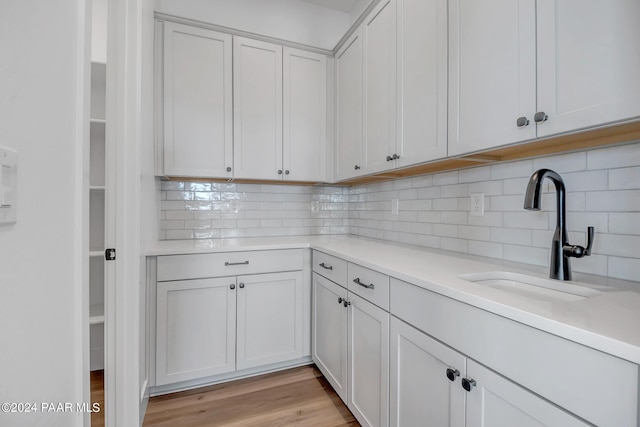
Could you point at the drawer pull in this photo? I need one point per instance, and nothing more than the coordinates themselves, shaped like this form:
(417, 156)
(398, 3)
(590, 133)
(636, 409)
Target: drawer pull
(452, 374)
(357, 281)
(226, 264)
(241, 285)
(325, 266)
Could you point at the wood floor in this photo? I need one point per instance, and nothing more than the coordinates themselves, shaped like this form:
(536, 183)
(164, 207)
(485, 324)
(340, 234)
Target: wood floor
(97, 396)
(296, 397)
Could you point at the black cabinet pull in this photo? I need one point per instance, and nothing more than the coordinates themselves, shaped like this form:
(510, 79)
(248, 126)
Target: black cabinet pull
(232, 286)
(325, 266)
(364, 285)
(452, 374)
(522, 122)
(540, 116)
(227, 264)
(468, 384)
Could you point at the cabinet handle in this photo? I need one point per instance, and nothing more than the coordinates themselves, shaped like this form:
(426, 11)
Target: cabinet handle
(540, 116)
(340, 300)
(468, 384)
(356, 167)
(286, 172)
(358, 282)
(241, 285)
(522, 122)
(228, 168)
(232, 286)
(389, 158)
(279, 171)
(345, 303)
(226, 264)
(452, 374)
(325, 266)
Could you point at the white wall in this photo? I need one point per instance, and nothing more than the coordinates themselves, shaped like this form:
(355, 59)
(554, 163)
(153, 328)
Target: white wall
(290, 20)
(41, 255)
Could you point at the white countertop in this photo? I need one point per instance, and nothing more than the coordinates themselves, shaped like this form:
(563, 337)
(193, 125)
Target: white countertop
(609, 322)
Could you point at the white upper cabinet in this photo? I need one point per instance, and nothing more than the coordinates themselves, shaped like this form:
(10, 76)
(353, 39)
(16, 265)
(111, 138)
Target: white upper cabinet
(349, 142)
(588, 63)
(305, 116)
(257, 85)
(492, 73)
(422, 81)
(198, 110)
(519, 70)
(379, 38)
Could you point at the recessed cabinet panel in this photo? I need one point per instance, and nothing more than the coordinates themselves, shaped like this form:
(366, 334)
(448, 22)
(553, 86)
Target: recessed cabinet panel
(368, 363)
(495, 401)
(269, 319)
(588, 62)
(349, 137)
(197, 102)
(492, 73)
(257, 84)
(379, 36)
(305, 116)
(329, 345)
(422, 81)
(420, 388)
(196, 329)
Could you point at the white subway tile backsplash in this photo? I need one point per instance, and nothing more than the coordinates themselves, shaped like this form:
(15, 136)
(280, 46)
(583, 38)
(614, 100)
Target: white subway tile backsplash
(614, 157)
(563, 163)
(624, 223)
(624, 268)
(613, 201)
(603, 190)
(624, 179)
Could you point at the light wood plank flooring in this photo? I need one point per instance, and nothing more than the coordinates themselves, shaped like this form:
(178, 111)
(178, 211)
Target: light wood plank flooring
(295, 397)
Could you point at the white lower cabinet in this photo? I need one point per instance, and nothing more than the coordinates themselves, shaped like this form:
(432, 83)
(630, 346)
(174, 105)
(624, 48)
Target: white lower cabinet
(213, 326)
(421, 391)
(428, 381)
(350, 346)
(368, 397)
(196, 329)
(496, 401)
(269, 328)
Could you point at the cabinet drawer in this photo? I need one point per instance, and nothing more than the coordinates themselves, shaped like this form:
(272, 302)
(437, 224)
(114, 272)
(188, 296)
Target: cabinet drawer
(334, 269)
(369, 284)
(197, 266)
(597, 387)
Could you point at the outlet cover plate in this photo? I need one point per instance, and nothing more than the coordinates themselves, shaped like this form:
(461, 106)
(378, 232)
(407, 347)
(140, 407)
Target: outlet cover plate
(477, 204)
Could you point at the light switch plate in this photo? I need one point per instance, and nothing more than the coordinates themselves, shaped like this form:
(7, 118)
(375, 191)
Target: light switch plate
(8, 185)
(477, 204)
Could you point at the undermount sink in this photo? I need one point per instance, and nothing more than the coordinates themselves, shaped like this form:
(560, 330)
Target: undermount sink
(529, 286)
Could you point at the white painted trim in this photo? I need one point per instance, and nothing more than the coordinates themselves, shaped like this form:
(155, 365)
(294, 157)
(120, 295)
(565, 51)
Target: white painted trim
(81, 207)
(236, 32)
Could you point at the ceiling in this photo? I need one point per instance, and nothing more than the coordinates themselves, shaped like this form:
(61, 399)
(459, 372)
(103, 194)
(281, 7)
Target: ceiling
(341, 5)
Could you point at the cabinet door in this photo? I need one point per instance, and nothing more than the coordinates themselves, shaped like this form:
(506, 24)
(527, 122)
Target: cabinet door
(329, 333)
(349, 108)
(379, 37)
(588, 63)
(305, 115)
(492, 73)
(422, 81)
(269, 318)
(368, 363)
(421, 393)
(196, 329)
(197, 102)
(257, 85)
(496, 401)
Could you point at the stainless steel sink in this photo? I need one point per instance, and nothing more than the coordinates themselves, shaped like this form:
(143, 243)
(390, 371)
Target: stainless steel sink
(529, 286)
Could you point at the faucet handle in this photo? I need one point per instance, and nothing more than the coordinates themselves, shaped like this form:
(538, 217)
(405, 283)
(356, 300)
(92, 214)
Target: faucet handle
(579, 251)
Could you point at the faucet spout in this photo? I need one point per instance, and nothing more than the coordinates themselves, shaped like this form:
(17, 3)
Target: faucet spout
(559, 266)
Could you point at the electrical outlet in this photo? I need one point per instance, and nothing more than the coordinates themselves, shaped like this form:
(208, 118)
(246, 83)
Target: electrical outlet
(477, 204)
(395, 206)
